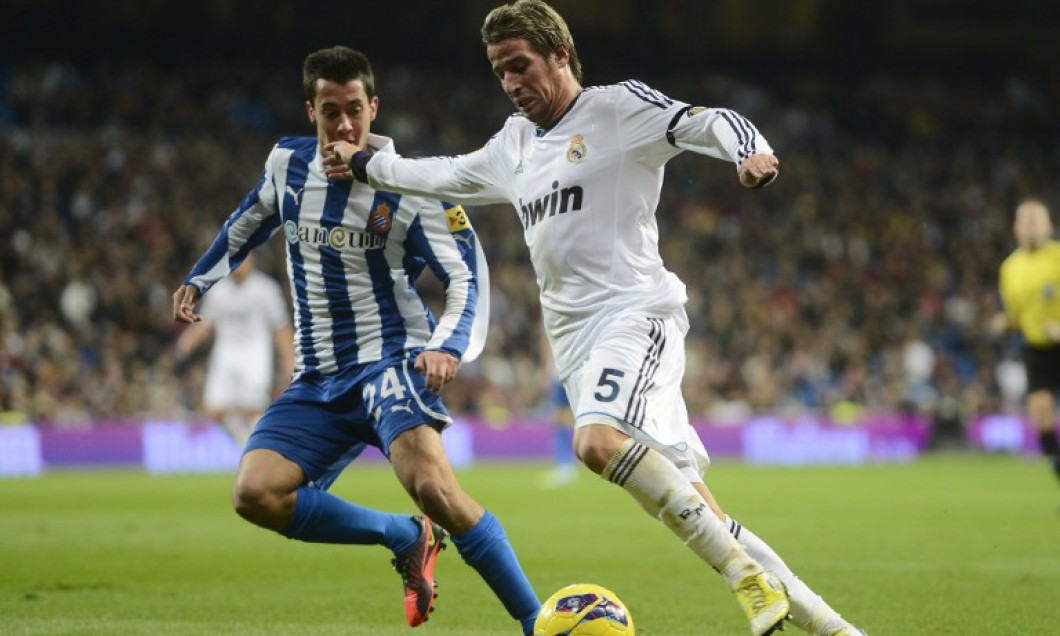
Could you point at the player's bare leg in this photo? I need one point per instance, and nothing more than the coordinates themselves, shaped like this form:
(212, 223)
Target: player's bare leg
(664, 492)
(264, 492)
(268, 492)
(421, 465)
(808, 610)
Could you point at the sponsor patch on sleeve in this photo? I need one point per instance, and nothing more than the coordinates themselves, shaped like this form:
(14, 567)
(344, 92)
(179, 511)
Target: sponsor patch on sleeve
(457, 219)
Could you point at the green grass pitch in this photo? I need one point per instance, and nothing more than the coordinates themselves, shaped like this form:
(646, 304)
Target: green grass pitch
(945, 545)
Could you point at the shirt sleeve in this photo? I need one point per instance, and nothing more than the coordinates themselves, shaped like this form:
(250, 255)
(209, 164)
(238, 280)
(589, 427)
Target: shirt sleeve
(442, 235)
(657, 128)
(717, 132)
(472, 179)
(254, 220)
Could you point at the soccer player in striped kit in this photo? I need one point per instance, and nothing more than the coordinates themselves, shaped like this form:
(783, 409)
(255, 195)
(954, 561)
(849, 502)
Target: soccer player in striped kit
(371, 358)
(583, 168)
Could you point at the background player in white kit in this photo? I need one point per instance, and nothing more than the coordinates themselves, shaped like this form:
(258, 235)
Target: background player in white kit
(252, 352)
(583, 168)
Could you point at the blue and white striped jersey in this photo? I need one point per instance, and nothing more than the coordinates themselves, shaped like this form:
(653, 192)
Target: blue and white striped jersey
(353, 256)
(586, 192)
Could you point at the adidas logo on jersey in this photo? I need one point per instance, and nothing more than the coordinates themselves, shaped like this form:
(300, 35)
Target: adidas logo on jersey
(559, 201)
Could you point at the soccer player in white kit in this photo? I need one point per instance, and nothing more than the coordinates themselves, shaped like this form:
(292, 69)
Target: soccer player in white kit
(583, 168)
(252, 352)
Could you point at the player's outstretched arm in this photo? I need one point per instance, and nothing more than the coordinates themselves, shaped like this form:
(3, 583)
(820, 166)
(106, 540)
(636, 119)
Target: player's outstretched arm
(758, 170)
(184, 300)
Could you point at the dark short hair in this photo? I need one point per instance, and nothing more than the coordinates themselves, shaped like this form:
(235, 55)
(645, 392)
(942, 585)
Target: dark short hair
(536, 22)
(337, 64)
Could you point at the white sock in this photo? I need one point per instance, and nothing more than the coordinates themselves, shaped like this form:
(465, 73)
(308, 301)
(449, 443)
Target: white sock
(661, 489)
(808, 610)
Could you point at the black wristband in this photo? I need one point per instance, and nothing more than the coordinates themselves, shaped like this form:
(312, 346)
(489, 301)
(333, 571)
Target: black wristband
(359, 165)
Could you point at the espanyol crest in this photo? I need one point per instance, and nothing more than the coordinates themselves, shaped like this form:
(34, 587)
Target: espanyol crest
(379, 221)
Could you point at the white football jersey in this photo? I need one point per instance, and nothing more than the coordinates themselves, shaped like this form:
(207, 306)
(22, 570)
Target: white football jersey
(244, 317)
(585, 191)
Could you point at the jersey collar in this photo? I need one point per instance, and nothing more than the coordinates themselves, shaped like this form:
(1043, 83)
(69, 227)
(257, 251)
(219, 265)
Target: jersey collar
(542, 131)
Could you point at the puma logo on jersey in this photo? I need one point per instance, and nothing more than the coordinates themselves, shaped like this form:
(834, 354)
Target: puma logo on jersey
(402, 407)
(559, 201)
(295, 194)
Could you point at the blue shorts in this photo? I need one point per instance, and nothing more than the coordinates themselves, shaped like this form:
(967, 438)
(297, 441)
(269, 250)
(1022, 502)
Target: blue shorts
(323, 422)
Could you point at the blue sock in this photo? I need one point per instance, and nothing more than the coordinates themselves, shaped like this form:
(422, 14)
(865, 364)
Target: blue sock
(486, 548)
(320, 517)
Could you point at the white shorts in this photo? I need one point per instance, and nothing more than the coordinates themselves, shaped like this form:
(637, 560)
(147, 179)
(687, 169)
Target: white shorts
(237, 385)
(632, 382)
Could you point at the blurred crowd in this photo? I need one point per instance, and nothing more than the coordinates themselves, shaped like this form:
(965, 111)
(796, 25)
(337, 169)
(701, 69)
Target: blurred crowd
(862, 280)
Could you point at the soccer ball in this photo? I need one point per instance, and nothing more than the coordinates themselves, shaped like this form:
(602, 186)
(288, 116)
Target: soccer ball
(584, 609)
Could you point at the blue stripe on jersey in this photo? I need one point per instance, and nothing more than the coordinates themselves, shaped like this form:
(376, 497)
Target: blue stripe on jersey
(223, 242)
(647, 93)
(297, 172)
(461, 338)
(336, 288)
(421, 247)
(260, 235)
(415, 261)
(467, 242)
(392, 327)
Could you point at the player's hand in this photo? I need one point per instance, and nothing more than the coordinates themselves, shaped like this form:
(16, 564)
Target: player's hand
(438, 368)
(184, 300)
(758, 170)
(337, 157)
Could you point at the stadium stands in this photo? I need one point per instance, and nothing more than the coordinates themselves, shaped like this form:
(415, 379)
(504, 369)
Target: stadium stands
(861, 281)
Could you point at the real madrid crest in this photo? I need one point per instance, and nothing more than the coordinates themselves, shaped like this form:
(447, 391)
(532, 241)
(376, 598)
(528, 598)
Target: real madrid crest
(577, 149)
